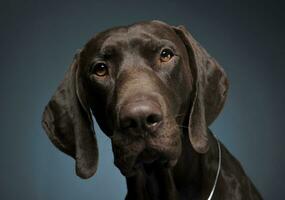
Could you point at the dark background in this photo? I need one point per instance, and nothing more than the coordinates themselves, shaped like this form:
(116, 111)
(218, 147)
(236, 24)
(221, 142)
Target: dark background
(39, 38)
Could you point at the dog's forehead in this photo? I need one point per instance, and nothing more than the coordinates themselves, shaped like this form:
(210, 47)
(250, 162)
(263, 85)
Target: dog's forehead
(143, 32)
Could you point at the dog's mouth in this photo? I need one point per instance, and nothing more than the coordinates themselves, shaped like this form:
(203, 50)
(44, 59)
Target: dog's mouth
(147, 161)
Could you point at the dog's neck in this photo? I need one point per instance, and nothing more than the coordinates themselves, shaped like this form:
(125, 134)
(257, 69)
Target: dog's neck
(189, 178)
(195, 173)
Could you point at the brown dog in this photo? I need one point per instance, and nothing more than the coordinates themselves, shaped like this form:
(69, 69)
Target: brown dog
(154, 91)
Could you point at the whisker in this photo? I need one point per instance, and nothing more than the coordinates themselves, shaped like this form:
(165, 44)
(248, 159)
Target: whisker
(175, 116)
(180, 126)
(181, 115)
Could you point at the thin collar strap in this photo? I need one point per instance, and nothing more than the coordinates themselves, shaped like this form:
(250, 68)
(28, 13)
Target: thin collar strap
(218, 171)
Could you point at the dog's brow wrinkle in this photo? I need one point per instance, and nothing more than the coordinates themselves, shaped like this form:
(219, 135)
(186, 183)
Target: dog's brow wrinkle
(108, 49)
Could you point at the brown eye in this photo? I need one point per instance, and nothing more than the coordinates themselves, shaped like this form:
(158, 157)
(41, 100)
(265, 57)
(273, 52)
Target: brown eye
(166, 55)
(100, 69)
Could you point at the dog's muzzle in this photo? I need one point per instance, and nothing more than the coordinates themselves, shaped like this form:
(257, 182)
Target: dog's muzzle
(145, 137)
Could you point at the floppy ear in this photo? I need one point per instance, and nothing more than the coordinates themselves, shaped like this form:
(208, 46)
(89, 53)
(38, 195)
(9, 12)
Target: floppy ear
(210, 90)
(68, 122)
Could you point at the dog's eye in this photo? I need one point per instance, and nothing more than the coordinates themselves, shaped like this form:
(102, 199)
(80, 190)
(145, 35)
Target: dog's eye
(166, 55)
(100, 69)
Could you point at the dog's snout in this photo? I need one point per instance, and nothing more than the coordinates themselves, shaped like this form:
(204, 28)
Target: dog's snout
(141, 116)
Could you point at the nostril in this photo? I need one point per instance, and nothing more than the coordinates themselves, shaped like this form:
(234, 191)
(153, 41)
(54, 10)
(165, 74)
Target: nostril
(153, 119)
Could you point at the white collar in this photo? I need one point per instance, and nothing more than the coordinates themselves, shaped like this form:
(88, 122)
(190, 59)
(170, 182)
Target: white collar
(218, 171)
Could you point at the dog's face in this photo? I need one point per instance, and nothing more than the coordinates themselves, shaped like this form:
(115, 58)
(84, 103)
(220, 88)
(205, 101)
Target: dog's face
(143, 83)
(136, 78)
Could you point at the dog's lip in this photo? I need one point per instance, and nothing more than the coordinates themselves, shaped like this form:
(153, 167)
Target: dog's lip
(150, 160)
(130, 172)
(148, 166)
(147, 156)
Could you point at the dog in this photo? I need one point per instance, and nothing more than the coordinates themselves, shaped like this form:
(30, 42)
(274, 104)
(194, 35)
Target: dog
(153, 90)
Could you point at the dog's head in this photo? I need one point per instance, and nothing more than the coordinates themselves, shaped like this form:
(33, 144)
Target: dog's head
(143, 83)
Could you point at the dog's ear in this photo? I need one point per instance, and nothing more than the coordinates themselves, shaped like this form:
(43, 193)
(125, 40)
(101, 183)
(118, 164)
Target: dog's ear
(68, 122)
(210, 90)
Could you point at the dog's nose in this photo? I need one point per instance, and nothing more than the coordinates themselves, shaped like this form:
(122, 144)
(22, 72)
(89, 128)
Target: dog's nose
(140, 116)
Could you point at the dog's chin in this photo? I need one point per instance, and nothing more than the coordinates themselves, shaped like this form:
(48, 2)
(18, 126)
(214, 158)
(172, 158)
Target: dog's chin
(147, 162)
(148, 167)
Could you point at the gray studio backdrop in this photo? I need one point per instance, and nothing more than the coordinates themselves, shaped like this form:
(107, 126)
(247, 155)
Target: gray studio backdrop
(39, 39)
